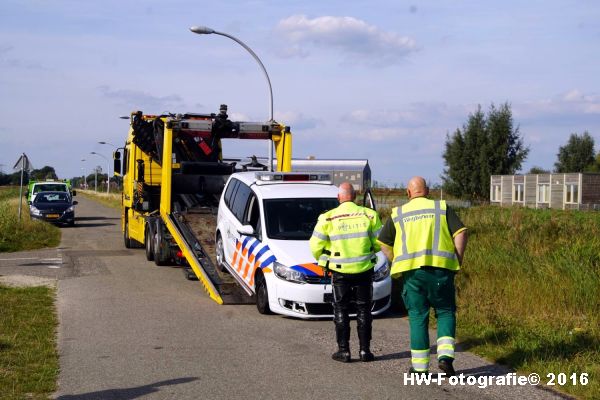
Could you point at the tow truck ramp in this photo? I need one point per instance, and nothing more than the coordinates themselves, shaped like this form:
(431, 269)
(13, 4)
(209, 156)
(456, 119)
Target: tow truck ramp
(221, 287)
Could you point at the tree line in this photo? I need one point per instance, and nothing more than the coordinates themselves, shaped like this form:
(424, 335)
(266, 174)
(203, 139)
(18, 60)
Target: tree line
(490, 144)
(48, 172)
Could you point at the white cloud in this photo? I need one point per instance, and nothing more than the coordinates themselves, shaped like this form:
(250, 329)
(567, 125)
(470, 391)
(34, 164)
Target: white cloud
(351, 37)
(411, 115)
(297, 120)
(381, 134)
(571, 103)
(135, 99)
(13, 62)
(236, 116)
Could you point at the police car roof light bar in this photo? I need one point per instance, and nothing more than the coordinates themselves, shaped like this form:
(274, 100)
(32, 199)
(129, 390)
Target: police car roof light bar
(273, 177)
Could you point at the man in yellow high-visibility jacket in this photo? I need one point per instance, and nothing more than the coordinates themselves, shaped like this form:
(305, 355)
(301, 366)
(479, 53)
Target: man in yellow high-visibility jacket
(425, 241)
(345, 242)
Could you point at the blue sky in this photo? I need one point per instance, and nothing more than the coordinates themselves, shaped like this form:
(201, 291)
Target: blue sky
(383, 80)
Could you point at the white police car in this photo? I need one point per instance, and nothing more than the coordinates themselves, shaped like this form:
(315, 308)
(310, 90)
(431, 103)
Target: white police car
(264, 223)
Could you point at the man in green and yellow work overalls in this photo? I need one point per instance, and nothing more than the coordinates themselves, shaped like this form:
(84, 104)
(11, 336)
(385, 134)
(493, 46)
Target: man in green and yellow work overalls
(425, 241)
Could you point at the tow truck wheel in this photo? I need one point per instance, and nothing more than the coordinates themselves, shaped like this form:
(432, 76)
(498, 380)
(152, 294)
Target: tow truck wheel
(220, 254)
(262, 294)
(126, 238)
(157, 246)
(148, 240)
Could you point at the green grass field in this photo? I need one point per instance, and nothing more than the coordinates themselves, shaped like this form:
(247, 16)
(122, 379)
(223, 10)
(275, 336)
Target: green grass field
(529, 291)
(25, 234)
(28, 357)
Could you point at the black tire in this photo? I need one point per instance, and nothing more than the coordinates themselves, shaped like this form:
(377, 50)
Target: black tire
(149, 241)
(262, 294)
(127, 241)
(158, 245)
(220, 253)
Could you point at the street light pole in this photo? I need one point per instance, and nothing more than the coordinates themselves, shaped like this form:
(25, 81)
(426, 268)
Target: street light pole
(114, 149)
(203, 30)
(84, 176)
(107, 171)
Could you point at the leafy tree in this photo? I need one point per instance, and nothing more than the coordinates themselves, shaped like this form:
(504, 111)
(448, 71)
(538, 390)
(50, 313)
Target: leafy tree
(595, 167)
(486, 145)
(4, 179)
(577, 155)
(538, 170)
(43, 173)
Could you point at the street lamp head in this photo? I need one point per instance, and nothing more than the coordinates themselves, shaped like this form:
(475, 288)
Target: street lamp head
(202, 30)
(93, 152)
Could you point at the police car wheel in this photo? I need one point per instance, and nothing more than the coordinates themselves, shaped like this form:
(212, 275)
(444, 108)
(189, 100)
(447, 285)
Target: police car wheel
(220, 254)
(262, 294)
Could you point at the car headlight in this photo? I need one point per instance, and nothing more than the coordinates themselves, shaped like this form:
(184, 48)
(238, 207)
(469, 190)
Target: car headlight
(288, 274)
(382, 268)
(34, 211)
(70, 209)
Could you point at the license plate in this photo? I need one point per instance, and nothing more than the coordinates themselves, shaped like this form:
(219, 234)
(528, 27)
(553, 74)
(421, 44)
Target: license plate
(52, 215)
(328, 298)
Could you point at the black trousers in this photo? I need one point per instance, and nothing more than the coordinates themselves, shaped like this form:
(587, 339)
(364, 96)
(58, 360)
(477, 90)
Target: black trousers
(357, 288)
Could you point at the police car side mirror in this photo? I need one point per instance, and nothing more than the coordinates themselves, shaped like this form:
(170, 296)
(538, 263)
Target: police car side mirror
(246, 230)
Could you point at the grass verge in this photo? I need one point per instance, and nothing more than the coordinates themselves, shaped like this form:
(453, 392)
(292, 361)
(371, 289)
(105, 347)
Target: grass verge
(108, 199)
(26, 234)
(28, 356)
(529, 292)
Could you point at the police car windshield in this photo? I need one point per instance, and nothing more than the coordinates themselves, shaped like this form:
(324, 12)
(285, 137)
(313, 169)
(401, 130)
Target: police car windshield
(294, 219)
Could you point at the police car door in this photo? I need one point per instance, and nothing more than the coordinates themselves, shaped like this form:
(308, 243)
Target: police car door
(369, 200)
(239, 205)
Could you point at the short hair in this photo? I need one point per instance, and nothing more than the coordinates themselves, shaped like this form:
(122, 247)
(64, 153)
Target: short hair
(347, 189)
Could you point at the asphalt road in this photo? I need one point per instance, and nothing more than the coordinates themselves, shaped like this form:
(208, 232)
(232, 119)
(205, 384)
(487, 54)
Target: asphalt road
(131, 330)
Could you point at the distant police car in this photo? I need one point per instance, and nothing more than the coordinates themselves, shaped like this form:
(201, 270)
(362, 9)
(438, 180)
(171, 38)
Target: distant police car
(264, 223)
(56, 207)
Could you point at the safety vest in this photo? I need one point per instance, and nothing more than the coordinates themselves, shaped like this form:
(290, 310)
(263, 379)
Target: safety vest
(422, 236)
(345, 239)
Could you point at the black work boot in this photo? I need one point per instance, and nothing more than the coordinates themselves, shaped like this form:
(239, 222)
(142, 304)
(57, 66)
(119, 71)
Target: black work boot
(364, 336)
(342, 334)
(445, 364)
(415, 372)
(342, 355)
(366, 355)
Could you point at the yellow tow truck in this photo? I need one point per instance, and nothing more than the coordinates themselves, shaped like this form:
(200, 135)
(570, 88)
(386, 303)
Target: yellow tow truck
(173, 175)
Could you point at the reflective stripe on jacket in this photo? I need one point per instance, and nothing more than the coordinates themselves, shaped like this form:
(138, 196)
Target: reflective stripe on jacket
(422, 236)
(346, 238)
